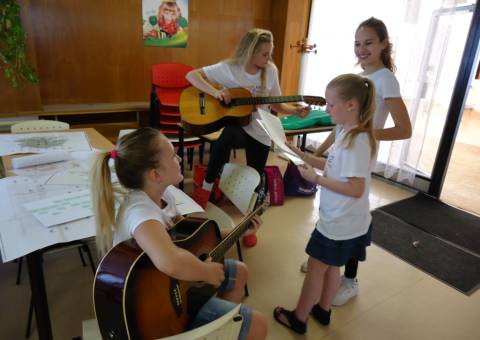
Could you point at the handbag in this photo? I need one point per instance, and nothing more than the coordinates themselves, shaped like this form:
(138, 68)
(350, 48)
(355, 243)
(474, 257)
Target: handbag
(275, 184)
(295, 184)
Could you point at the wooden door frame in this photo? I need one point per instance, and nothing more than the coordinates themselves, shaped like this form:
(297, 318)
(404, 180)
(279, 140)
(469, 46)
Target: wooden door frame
(290, 20)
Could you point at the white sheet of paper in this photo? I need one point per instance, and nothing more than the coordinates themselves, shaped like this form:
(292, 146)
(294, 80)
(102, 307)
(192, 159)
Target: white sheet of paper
(273, 127)
(185, 204)
(20, 232)
(43, 142)
(61, 209)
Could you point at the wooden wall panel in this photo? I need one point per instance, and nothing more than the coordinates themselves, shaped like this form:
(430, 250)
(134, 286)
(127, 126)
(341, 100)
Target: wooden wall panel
(92, 51)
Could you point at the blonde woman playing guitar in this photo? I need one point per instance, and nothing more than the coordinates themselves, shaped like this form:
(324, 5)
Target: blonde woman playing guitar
(251, 68)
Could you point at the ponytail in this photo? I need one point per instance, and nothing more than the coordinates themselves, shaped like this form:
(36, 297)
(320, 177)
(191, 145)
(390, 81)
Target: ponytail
(103, 201)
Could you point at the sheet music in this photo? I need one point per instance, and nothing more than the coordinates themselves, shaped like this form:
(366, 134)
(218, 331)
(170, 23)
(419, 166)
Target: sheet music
(273, 127)
(43, 142)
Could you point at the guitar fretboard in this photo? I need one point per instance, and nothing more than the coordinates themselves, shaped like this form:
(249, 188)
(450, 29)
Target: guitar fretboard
(265, 100)
(217, 253)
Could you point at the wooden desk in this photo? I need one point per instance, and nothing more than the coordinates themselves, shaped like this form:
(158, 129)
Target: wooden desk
(34, 259)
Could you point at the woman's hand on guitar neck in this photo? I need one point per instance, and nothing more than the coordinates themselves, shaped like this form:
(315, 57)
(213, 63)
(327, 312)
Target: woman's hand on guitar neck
(302, 111)
(223, 95)
(215, 273)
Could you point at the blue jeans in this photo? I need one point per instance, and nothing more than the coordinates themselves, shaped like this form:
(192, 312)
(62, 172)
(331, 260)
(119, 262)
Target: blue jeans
(216, 307)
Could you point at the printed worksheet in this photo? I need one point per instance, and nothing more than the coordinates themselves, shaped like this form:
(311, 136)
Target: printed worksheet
(61, 209)
(43, 142)
(20, 231)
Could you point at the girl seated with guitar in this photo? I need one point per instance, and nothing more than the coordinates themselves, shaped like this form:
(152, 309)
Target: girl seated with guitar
(146, 164)
(251, 68)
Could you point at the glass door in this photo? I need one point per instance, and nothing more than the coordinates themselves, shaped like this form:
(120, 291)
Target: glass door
(426, 36)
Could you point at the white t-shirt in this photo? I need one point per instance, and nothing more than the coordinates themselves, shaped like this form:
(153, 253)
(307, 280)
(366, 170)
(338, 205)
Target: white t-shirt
(234, 76)
(344, 217)
(386, 86)
(136, 208)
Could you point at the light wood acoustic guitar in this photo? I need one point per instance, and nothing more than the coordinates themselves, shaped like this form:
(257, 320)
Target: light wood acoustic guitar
(134, 300)
(202, 114)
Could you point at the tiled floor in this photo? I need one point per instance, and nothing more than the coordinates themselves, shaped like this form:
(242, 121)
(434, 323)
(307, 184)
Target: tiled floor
(396, 301)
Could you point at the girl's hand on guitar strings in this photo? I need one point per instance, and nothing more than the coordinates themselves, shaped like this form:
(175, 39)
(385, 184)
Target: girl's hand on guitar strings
(256, 221)
(223, 95)
(215, 273)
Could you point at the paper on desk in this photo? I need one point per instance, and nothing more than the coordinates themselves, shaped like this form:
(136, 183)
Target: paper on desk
(61, 209)
(184, 203)
(38, 159)
(43, 142)
(20, 232)
(273, 127)
(72, 172)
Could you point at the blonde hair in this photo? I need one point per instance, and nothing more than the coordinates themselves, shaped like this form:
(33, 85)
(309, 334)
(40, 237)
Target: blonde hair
(248, 46)
(353, 86)
(134, 154)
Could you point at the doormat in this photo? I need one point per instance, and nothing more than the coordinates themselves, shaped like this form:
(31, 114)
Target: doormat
(441, 259)
(439, 219)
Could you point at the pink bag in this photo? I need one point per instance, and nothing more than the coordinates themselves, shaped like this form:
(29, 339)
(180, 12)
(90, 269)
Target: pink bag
(275, 184)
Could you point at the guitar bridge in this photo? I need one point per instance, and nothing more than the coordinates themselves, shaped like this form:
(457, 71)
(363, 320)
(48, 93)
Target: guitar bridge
(176, 297)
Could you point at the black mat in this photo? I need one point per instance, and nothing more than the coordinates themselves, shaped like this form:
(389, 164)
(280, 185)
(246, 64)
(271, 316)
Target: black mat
(440, 219)
(443, 260)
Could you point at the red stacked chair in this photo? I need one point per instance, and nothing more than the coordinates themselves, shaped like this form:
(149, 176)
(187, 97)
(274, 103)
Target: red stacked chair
(168, 81)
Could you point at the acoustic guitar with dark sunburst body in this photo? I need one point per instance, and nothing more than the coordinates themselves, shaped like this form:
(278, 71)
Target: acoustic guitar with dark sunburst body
(134, 300)
(202, 114)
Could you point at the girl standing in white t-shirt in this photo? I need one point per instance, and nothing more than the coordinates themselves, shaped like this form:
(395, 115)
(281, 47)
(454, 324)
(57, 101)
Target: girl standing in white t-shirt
(374, 53)
(146, 164)
(250, 67)
(343, 230)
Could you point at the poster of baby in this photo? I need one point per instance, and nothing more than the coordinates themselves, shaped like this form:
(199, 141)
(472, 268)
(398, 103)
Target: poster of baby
(165, 23)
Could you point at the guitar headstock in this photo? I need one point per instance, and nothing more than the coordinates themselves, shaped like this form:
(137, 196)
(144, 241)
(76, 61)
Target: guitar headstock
(313, 100)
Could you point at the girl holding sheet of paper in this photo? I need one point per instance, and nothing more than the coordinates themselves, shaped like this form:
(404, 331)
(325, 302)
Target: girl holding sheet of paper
(374, 53)
(343, 230)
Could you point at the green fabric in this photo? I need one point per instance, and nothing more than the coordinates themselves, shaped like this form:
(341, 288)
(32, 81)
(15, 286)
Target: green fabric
(314, 118)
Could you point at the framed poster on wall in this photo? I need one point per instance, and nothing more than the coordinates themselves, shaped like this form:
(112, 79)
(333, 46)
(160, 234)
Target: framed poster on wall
(165, 23)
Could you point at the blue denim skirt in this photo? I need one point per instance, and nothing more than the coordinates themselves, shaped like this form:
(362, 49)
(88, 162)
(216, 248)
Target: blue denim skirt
(337, 253)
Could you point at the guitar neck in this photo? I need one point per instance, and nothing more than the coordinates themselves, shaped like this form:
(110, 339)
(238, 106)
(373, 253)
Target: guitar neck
(265, 100)
(219, 251)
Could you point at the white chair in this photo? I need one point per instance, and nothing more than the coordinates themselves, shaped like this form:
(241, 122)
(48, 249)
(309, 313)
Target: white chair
(39, 125)
(238, 184)
(226, 327)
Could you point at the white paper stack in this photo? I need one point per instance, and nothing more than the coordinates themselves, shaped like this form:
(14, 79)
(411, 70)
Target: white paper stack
(38, 159)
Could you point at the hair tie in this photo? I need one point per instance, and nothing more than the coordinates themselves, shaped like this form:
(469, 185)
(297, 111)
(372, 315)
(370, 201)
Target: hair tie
(113, 154)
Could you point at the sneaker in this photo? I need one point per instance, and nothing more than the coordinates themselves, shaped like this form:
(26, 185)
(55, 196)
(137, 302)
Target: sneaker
(250, 240)
(347, 290)
(304, 267)
(201, 196)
